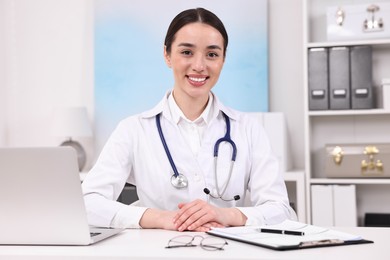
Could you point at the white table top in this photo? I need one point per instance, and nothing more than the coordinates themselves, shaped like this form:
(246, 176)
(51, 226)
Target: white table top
(150, 244)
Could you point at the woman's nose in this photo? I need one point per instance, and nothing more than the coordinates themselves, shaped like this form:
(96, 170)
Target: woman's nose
(199, 63)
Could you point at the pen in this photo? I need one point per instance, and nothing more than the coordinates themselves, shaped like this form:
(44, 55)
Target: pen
(283, 232)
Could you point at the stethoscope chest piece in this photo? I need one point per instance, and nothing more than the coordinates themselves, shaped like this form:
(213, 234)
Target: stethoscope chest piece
(180, 181)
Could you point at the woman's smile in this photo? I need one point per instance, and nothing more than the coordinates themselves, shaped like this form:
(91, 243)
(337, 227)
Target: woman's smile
(197, 81)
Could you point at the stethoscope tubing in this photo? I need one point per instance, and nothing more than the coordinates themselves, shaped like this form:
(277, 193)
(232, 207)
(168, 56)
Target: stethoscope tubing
(229, 140)
(175, 171)
(226, 138)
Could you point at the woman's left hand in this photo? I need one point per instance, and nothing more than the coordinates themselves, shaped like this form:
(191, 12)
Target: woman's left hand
(198, 215)
(206, 227)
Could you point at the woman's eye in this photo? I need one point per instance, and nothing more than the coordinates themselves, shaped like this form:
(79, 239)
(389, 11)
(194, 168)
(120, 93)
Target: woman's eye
(186, 52)
(213, 55)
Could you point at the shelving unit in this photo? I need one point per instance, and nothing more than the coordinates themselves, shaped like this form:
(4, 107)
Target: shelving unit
(344, 126)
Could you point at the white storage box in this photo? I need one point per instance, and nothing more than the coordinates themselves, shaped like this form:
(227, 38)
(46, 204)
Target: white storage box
(358, 22)
(383, 95)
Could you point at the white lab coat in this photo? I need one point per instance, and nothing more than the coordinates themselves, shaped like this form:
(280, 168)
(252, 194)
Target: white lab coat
(134, 154)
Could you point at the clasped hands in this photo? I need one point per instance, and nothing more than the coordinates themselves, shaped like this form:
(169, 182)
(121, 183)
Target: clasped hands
(200, 216)
(197, 215)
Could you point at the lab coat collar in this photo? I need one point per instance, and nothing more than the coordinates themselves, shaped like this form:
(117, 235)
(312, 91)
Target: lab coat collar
(163, 107)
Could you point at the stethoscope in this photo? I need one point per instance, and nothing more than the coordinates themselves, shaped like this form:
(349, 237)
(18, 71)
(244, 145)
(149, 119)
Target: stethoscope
(180, 181)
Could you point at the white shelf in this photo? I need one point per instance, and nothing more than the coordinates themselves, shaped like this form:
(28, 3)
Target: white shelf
(376, 42)
(294, 175)
(378, 111)
(349, 181)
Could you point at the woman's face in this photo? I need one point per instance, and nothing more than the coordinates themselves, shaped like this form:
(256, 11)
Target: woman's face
(196, 58)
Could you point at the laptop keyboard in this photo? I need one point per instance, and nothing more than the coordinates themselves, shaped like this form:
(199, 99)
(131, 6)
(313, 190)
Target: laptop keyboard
(94, 234)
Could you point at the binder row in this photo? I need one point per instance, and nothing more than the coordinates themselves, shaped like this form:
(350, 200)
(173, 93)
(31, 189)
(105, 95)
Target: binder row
(340, 78)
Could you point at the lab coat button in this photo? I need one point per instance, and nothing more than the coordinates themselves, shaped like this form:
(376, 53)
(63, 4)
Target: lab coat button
(197, 177)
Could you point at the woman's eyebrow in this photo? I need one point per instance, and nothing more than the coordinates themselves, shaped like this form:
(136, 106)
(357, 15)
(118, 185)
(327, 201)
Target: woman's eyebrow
(185, 44)
(190, 45)
(213, 47)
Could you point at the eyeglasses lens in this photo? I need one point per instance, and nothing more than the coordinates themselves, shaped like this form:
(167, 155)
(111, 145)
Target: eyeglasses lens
(207, 243)
(181, 241)
(213, 243)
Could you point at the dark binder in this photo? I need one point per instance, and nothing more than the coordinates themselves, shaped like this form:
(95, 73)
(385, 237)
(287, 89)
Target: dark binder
(361, 77)
(318, 79)
(339, 83)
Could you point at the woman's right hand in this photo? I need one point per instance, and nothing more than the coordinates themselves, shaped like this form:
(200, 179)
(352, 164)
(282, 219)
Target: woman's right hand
(155, 218)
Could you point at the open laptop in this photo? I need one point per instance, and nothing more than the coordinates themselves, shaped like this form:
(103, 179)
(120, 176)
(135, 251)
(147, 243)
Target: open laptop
(41, 201)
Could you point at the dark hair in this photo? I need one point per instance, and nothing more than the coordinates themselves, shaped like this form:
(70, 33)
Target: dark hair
(192, 16)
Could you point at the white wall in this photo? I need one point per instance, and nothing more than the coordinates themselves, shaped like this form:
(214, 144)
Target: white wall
(285, 71)
(48, 51)
(49, 58)
(2, 74)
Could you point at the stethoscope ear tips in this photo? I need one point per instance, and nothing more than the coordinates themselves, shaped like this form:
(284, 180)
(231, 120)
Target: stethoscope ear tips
(207, 191)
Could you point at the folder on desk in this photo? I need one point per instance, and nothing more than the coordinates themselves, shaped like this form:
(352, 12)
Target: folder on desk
(311, 236)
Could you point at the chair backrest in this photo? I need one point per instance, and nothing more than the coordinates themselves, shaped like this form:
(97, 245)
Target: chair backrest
(276, 129)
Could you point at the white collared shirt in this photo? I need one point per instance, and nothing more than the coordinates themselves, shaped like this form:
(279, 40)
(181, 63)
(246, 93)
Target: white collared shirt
(191, 131)
(134, 154)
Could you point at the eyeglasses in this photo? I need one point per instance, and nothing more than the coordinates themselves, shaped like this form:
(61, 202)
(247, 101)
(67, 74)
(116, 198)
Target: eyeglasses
(206, 243)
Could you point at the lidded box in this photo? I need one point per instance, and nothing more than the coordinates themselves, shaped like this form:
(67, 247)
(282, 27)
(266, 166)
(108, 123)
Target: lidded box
(358, 160)
(358, 22)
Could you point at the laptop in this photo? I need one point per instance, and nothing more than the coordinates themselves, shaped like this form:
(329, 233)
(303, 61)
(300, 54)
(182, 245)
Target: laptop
(41, 201)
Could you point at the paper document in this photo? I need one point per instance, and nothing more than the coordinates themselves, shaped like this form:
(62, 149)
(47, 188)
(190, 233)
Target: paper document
(288, 235)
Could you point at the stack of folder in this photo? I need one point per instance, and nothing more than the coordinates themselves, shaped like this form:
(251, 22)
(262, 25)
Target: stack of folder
(334, 205)
(340, 78)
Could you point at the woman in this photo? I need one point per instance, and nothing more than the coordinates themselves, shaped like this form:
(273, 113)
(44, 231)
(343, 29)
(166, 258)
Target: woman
(168, 151)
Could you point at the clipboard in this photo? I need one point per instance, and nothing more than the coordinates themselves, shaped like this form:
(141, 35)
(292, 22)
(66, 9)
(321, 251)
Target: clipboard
(310, 236)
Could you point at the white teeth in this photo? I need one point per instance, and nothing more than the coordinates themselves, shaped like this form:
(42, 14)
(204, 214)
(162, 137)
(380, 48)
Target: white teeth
(197, 79)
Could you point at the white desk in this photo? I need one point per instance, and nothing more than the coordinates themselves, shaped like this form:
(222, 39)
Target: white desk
(149, 244)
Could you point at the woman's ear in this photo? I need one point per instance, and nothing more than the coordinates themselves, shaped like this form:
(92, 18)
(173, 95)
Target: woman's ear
(167, 57)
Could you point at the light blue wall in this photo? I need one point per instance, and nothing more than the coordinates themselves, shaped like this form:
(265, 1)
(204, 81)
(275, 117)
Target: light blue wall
(130, 73)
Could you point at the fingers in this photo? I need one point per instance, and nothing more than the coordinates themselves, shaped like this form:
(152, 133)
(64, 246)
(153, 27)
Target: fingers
(213, 224)
(206, 227)
(194, 215)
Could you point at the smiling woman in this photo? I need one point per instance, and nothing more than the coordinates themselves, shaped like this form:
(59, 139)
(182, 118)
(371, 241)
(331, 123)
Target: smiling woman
(167, 152)
(196, 56)
(130, 76)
